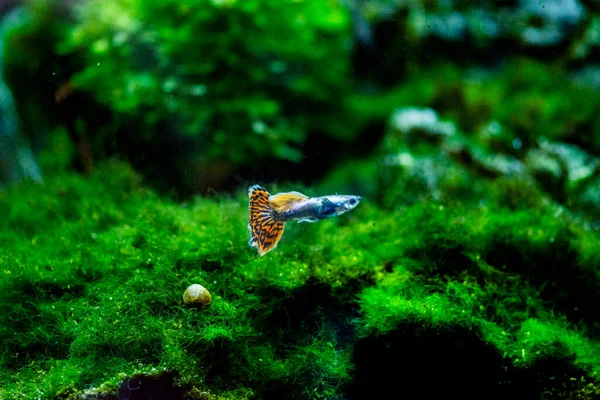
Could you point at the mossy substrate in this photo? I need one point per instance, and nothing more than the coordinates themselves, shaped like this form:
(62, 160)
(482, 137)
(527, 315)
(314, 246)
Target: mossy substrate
(474, 299)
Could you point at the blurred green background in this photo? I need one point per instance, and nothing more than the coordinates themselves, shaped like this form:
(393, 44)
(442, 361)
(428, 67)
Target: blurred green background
(393, 99)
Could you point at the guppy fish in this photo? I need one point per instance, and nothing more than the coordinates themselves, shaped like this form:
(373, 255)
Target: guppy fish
(269, 213)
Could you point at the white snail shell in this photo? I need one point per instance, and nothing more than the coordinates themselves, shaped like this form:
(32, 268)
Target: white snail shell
(197, 296)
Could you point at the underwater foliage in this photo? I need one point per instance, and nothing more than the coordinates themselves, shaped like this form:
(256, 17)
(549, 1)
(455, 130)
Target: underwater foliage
(199, 85)
(100, 266)
(470, 266)
(559, 32)
(166, 61)
(223, 89)
(450, 132)
(523, 99)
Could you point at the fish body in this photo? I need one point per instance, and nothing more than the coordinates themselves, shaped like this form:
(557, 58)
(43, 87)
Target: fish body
(269, 213)
(314, 209)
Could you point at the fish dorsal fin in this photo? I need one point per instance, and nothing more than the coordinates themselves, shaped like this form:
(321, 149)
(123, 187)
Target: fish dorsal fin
(282, 202)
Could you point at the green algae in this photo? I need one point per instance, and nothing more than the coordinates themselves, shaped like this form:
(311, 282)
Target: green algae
(471, 266)
(93, 270)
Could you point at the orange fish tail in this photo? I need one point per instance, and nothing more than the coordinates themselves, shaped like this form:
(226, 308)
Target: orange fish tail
(265, 231)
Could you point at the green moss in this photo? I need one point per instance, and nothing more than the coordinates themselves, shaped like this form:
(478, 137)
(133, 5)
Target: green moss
(461, 279)
(101, 264)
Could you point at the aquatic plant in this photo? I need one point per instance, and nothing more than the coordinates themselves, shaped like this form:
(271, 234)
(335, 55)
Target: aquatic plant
(101, 264)
(470, 264)
(233, 83)
(165, 61)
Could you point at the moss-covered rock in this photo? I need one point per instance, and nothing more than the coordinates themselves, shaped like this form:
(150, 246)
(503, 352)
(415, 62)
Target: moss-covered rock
(93, 271)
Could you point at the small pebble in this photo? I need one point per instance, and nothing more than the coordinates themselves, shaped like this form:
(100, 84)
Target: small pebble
(197, 296)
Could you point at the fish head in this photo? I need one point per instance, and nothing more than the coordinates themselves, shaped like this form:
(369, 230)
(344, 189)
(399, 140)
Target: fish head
(332, 206)
(350, 202)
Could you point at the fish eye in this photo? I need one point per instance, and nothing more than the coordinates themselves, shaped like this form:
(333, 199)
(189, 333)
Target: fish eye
(352, 202)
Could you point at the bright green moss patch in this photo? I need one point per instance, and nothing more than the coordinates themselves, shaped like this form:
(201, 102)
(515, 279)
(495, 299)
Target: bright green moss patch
(92, 271)
(101, 282)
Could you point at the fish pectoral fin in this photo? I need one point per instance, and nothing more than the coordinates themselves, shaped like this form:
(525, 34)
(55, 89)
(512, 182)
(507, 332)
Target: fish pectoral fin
(307, 220)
